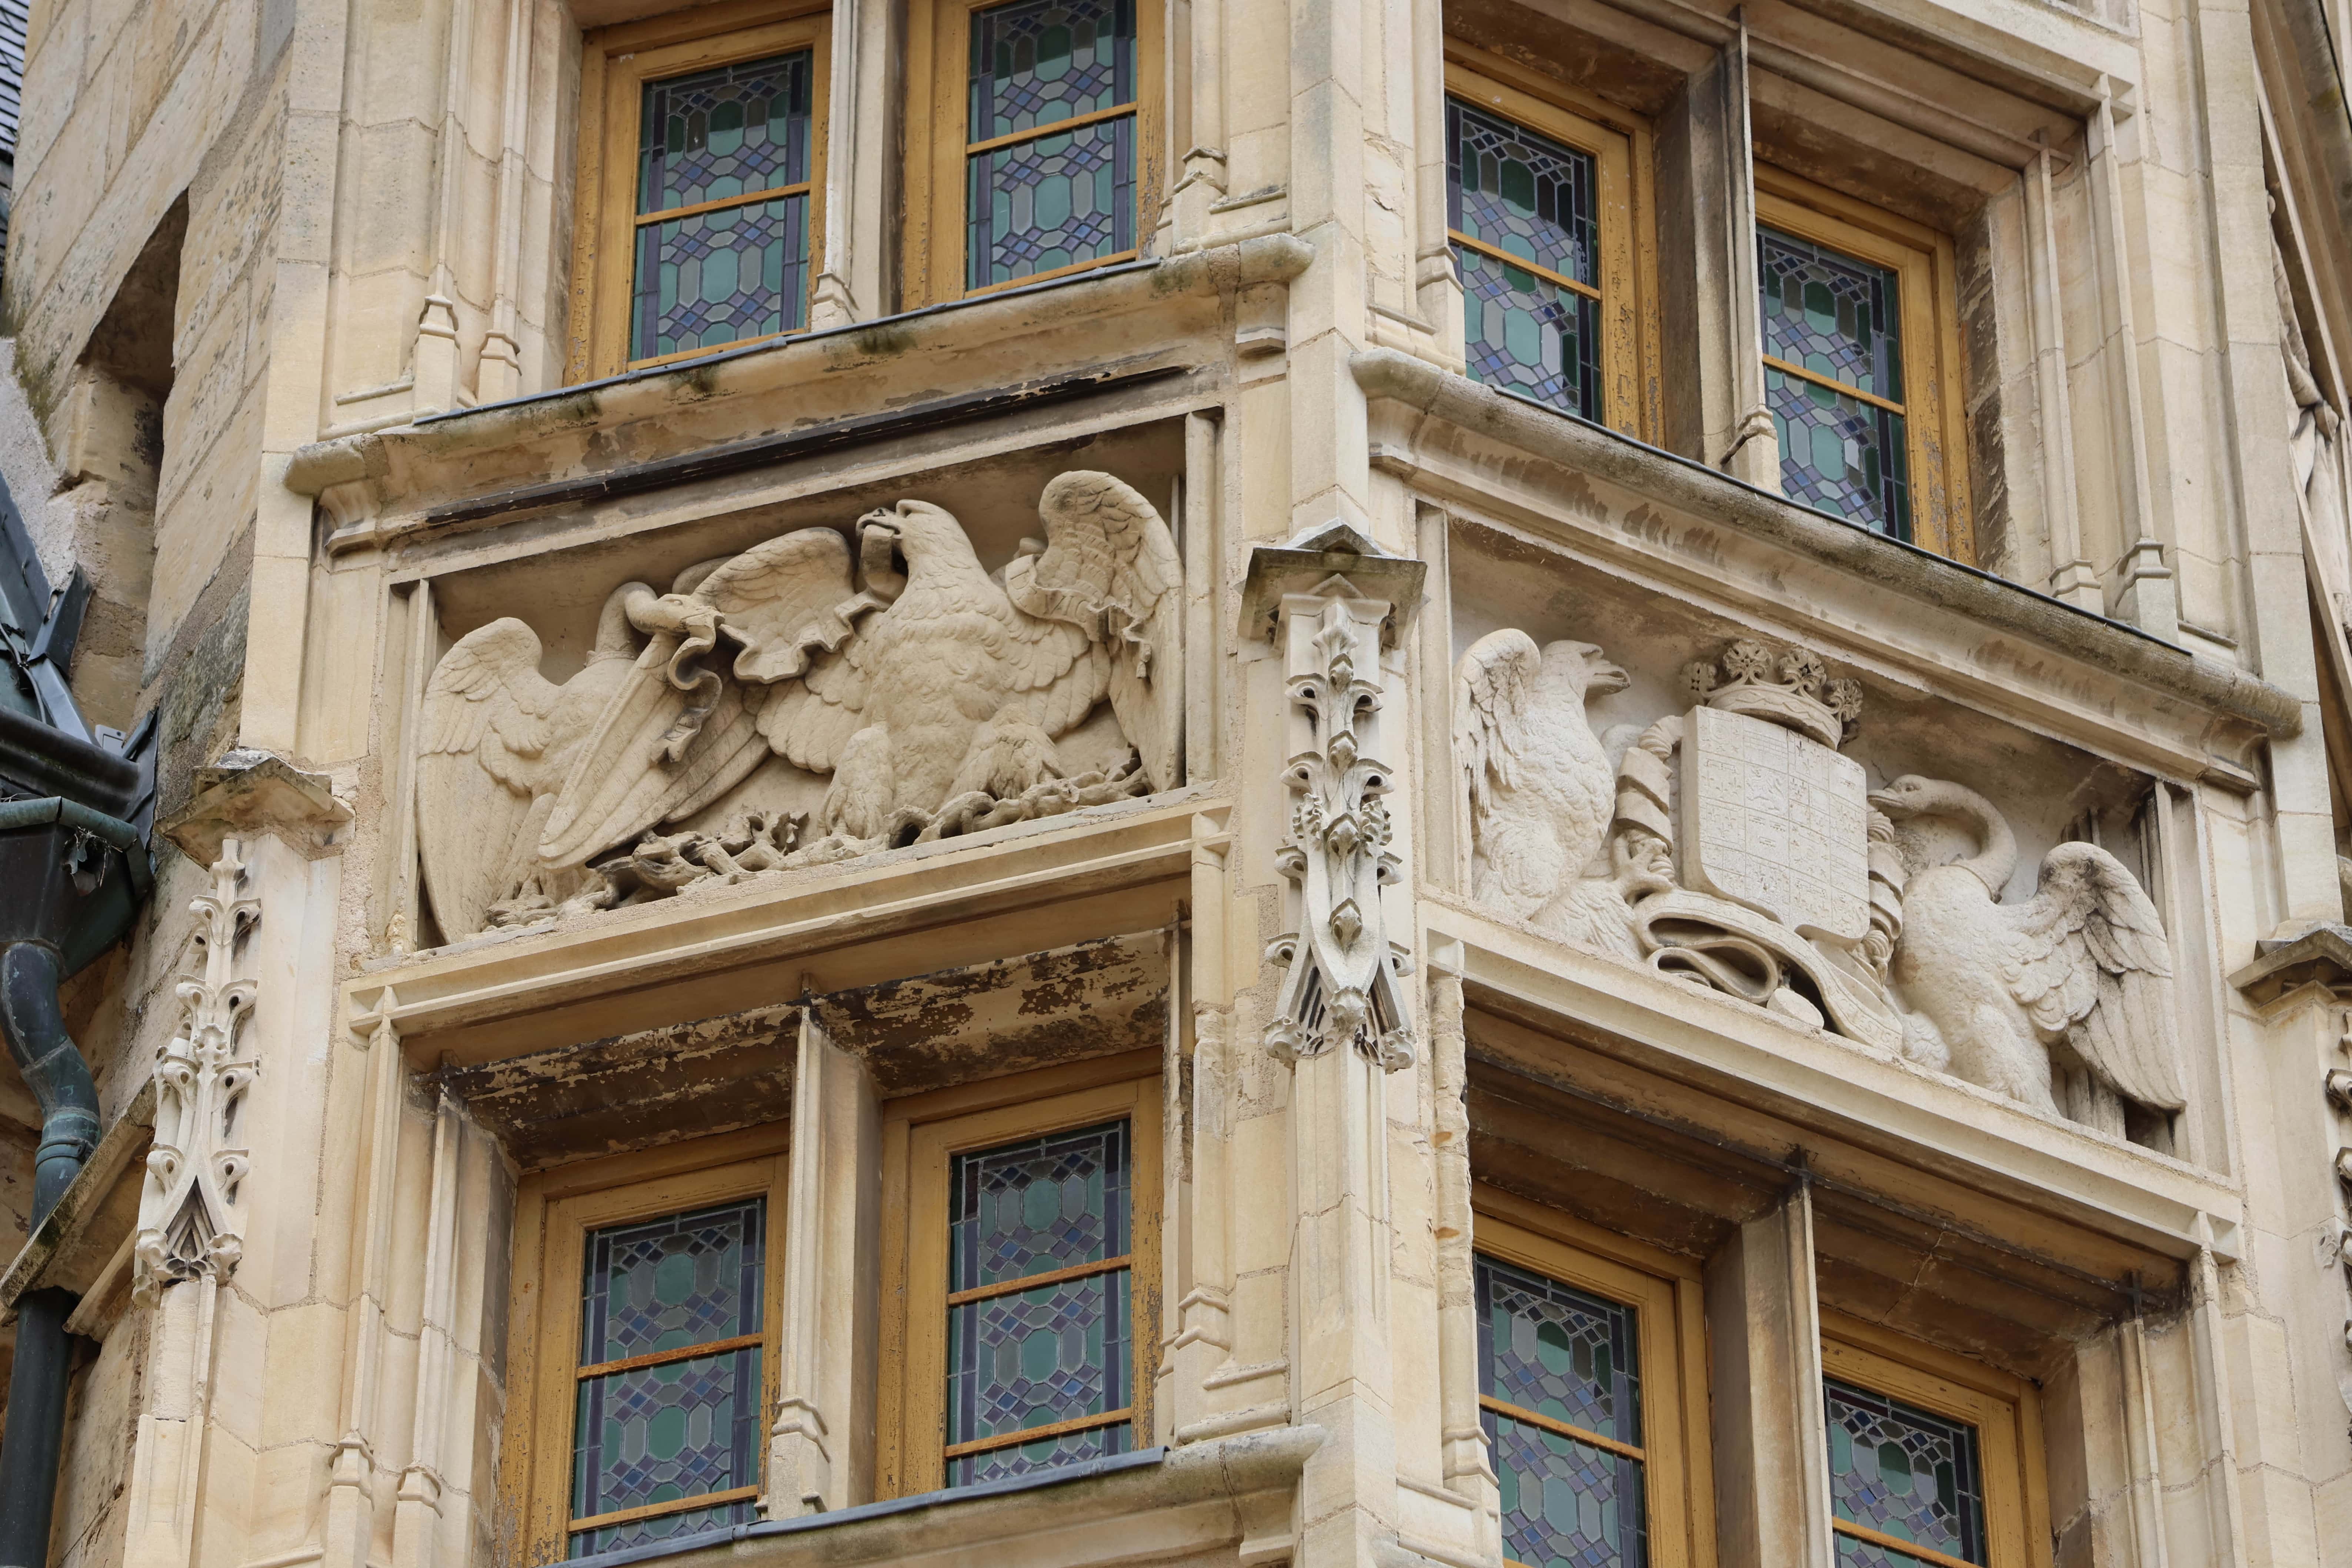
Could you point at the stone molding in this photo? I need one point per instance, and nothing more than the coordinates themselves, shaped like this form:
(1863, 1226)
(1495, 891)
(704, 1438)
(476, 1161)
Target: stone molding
(1681, 486)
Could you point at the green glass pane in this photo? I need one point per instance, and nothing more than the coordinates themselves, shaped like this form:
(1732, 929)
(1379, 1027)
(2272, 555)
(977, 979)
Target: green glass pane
(719, 133)
(1840, 454)
(1832, 313)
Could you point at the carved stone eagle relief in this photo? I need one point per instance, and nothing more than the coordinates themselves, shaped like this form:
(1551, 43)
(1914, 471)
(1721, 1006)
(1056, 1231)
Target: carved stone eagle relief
(1735, 847)
(929, 693)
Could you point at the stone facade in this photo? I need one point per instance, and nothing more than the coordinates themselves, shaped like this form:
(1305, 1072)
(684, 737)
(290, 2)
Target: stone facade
(1457, 829)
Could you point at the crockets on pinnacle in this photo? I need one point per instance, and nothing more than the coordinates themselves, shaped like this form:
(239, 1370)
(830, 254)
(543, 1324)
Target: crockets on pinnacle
(1341, 984)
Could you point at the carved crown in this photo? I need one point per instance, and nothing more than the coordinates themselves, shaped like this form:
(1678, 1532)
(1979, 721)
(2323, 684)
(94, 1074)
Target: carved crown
(1789, 687)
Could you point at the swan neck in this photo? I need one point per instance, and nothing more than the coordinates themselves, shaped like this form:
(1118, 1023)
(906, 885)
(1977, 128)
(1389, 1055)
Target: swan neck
(1996, 861)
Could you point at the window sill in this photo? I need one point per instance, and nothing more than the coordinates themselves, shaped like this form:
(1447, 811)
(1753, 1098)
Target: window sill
(1156, 1503)
(1965, 633)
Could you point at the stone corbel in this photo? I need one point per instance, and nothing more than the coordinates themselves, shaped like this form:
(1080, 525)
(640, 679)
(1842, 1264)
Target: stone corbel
(1336, 603)
(2321, 957)
(248, 794)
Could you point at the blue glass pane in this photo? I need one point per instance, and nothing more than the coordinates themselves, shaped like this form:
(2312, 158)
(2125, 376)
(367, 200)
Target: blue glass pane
(1831, 314)
(1559, 1351)
(1051, 202)
(1566, 1504)
(1530, 335)
(1037, 1206)
(1523, 194)
(724, 132)
(720, 277)
(1038, 62)
(1840, 454)
(664, 1284)
(1045, 1453)
(1905, 1472)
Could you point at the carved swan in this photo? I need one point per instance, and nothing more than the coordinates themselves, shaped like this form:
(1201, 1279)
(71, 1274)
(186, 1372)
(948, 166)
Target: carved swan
(2080, 974)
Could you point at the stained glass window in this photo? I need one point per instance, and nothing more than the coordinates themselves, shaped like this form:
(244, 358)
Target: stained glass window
(1833, 380)
(1902, 1476)
(668, 1433)
(723, 195)
(1050, 152)
(1040, 1340)
(1560, 1397)
(1524, 216)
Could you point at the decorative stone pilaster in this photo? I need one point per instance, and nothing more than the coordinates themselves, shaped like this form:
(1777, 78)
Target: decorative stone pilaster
(1340, 986)
(190, 1219)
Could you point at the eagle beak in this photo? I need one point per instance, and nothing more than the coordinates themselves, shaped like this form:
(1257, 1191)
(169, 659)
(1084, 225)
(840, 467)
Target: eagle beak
(1609, 678)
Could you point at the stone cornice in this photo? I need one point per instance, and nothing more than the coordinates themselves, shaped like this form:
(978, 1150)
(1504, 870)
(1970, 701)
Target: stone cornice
(2052, 634)
(437, 476)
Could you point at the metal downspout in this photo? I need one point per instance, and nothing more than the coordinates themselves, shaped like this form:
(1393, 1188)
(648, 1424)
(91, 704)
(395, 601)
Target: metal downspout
(60, 1078)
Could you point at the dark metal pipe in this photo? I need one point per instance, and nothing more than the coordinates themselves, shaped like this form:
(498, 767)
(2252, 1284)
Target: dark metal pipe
(60, 1078)
(53, 1069)
(37, 1426)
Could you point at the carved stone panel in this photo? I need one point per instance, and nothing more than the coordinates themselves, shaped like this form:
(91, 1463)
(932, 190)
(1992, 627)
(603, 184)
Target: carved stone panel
(1777, 822)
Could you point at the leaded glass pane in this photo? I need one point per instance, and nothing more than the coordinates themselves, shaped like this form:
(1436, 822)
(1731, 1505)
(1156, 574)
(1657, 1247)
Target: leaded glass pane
(1566, 1503)
(667, 1432)
(1840, 454)
(1038, 1205)
(1530, 335)
(1523, 194)
(1051, 202)
(1559, 1352)
(1533, 198)
(1056, 200)
(662, 1527)
(734, 130)
(1037, 1357)
(1060, 1351)
(664, 1284)
(1835, 315)
(1905, 1472)
(720, 277)
(1036, 62)
(1045, 1453)
(1552, 1349)
(659, 1434)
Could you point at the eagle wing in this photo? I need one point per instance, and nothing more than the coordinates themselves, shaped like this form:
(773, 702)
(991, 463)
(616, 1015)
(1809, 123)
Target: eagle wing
(1523, 863)
(1100, 612)
(1493, 689)
(676, 734)
(489, 726)
(2092, 967)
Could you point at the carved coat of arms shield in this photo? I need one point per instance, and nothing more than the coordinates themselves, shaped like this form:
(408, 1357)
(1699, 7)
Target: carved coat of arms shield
(1777, 822)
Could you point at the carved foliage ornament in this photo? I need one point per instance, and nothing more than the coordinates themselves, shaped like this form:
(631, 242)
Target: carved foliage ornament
(190, 1218)
(923, 696)
(1340, 986)
(1762, 868)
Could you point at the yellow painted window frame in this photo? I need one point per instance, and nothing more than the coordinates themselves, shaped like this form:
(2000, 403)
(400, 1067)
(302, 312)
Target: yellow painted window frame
(1668, 1299)
(1619, 142)
(616, 63)
(2006, 1412)
(554, 1212)
(1934, 410)
(939, 52)
(920, 1136)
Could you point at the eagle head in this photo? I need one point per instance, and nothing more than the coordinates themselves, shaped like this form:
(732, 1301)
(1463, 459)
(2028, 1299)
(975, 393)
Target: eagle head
(1583, 666)
(916, 529)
